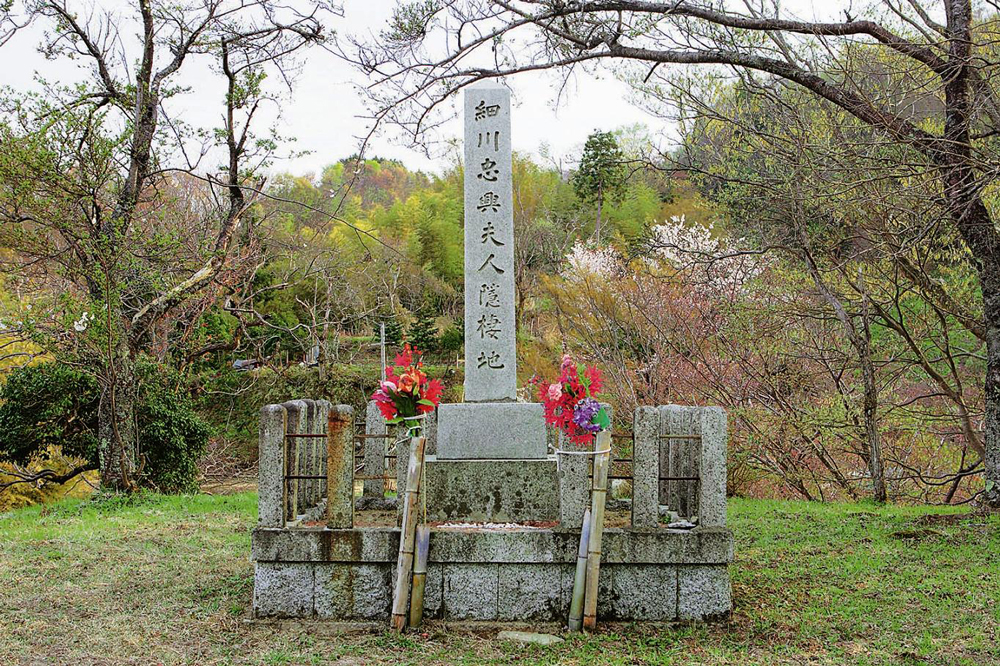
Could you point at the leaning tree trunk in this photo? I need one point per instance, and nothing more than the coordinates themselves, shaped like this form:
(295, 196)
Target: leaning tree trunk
(116, 419)
(991, 300)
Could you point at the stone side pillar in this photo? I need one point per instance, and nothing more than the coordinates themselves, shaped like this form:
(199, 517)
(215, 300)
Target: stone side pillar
(712, 490)
(271, 487)
(295, 459)
(340, 468)
(374, 451)
(646, 467)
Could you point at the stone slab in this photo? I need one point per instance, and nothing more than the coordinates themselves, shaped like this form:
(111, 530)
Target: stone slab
(529, 638)
(490, 349)
(499, 491)
(502, 430)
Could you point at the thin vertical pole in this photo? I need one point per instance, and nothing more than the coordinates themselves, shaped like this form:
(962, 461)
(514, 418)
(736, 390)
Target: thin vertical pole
(602, 455)
(381, 332)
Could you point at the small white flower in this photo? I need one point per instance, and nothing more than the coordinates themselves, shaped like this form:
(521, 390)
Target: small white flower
(80, 325)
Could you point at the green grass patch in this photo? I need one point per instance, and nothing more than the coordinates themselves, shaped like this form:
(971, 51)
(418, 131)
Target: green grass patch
(167, 580)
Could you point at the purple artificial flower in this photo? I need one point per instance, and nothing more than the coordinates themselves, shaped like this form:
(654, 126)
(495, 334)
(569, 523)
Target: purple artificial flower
(584, 413)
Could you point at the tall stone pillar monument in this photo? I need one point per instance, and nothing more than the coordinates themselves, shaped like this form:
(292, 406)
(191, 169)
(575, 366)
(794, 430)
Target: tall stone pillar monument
(492, 458)
(490, 354)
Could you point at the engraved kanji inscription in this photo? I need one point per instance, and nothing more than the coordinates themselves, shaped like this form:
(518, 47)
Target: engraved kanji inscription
(488, 326)
(488, 171)
(489, 262)
(484, 111)
(491, 360)
(487, 138)
(490, 234)
(489, 201)
(489, 295)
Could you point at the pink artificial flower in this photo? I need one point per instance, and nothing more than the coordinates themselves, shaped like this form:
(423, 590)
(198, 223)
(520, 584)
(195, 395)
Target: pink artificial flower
(388, 387)
(567, 361)
(555, 391)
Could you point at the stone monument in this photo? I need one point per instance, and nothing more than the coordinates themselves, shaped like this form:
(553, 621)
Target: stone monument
(490, 465)
(492, 459)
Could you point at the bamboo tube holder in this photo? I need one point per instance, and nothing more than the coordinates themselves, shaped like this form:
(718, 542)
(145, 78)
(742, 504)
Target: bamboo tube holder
(419, 576)
(602, 457)
(580, 581)
(404, 563)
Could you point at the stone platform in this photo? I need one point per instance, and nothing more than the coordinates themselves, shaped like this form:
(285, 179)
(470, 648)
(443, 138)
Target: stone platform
(497, 491)
(493, 575)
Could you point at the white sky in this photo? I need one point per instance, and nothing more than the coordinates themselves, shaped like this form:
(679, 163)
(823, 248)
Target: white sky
(324, 110)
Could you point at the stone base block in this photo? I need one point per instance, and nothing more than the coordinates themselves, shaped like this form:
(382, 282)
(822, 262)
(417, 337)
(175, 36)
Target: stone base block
(491, 430)
(496, 491)
(491, 592)
(508, 575)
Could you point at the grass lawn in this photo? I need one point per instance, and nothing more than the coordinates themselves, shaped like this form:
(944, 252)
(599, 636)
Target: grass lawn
(167, 580)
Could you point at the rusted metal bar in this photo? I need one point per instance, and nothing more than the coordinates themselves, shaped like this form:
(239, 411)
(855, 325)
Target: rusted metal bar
(385, 436)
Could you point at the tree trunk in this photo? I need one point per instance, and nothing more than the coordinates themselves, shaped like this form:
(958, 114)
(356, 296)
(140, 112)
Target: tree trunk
(861, 341)
(990, 281)
(116, 419)
(597, 226)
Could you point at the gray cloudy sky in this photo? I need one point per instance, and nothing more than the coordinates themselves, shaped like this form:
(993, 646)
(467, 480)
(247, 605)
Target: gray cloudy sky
(324, 110)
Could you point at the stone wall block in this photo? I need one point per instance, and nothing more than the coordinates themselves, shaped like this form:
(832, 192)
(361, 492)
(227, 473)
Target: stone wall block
(703, 592)
(353, 592)
(470, 591)
(283, 589)
(530, 592)
(645, 592)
